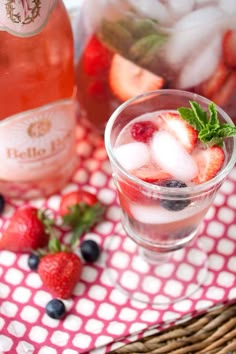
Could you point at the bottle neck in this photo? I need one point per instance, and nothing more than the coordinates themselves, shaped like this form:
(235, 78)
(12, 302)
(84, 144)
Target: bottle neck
(25, 18)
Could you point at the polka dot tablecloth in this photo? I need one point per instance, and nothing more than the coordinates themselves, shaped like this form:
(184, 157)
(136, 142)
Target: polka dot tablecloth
(100, 317)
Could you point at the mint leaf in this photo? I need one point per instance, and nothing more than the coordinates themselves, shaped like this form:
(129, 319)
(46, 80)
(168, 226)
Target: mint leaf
(140, 27)
(225, 130)
(213, 120)
(188, 115)
(210, 137)
(145, 50)
(142, 46)
(115, 36)
(200, 114)
(210, 130)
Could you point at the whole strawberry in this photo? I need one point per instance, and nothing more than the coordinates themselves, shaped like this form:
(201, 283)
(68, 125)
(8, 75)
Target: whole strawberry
(60, 272)
(26, 231)
(76, 197)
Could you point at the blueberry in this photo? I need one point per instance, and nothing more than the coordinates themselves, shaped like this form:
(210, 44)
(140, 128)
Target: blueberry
(90, 250)
(55, 308)
(2, 203)
(33, 261)
(175, 204)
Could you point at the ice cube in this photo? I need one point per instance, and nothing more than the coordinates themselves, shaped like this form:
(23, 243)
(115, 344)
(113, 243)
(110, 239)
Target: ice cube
(180, 8)
(202, 65)
(201, 17)
(153, 9)
(229, 8)
(132, 155)
(171, 156)
(192, 31)
(200, 3)
(155, 214)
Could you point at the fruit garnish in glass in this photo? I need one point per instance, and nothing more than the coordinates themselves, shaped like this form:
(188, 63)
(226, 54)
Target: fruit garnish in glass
(170, 152)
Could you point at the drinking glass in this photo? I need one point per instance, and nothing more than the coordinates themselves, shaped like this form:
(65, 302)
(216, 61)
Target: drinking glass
(156, 256)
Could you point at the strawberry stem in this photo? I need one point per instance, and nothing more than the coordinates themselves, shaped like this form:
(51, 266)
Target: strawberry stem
(81, 218)
(47, 222)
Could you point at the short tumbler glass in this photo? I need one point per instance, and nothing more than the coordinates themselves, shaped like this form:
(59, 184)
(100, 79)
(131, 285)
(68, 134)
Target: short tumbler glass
(161, 242)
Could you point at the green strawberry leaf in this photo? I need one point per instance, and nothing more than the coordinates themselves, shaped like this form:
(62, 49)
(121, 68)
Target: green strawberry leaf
(81, 218)
(54, 245)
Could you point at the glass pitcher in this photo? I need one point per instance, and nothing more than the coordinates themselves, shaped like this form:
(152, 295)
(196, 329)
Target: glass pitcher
(130, 47)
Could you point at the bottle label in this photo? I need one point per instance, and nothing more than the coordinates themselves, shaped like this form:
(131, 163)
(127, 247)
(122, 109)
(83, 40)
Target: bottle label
(37, 143)
(25, 17)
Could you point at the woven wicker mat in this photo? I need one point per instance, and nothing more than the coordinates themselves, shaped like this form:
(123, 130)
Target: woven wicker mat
(213, 332)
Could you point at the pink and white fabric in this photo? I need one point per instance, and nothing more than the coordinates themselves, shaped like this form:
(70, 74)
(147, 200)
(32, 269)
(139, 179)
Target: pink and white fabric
(99, 317)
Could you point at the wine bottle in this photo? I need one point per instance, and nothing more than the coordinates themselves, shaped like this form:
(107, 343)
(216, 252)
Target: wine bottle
(37, 94)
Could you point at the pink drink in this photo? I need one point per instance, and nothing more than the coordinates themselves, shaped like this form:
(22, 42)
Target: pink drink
(145, 217)
(166, 178)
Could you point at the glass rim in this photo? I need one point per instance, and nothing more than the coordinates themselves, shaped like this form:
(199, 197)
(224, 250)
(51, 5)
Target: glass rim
(198, 188)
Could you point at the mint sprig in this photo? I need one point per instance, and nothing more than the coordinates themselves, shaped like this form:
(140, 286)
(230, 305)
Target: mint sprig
(210, 130)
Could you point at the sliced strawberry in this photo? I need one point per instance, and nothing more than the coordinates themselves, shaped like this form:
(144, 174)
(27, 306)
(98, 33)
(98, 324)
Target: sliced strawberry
(151, 174)
(97, 57)
(209, 163)
(224, 93)
(179, 128)
(229, 48)
(128, 191)
(214, 83)
(128, 79)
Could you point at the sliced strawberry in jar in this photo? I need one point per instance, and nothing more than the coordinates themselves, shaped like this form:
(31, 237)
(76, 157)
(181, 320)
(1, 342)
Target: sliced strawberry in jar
(151, 175)
(96, 57)
(229, 48)
(179, 128)
(209, 163)
(128, 79)
(214, 83)
(98, 90)
(225, 92)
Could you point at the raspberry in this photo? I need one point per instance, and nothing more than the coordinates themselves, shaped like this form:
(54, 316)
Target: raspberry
(143, 131)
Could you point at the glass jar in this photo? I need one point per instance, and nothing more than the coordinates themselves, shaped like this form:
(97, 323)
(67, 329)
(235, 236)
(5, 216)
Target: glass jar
(131, 46)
